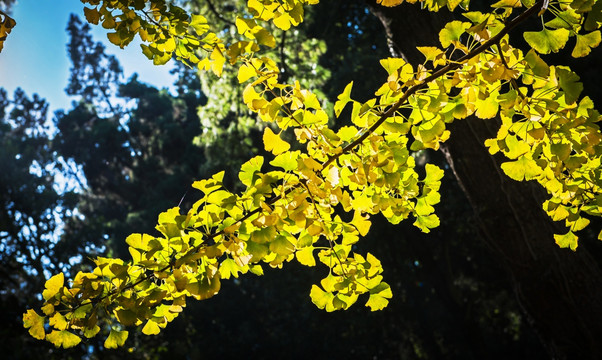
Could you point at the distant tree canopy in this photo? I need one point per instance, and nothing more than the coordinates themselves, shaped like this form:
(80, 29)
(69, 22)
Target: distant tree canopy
(314, 192)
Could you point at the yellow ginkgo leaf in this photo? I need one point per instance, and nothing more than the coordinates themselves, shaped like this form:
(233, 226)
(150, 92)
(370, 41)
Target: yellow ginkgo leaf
(53, 285)
(35, 324)
(63, 339)
(116, 339)
(389, 3)
(272, 142)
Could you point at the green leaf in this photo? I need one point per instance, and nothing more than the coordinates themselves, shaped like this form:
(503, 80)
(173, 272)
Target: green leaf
(282, 246)
(568, 240)
(264, 235)
(536, 64)
(126, 316)
(63, 339)
(35, 324)
(116, 339)
(594, 17)
(546, 41)
(585, 43)
(569, 83)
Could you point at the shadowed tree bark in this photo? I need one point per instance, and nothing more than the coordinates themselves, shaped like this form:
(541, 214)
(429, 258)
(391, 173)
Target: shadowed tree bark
(560, 291)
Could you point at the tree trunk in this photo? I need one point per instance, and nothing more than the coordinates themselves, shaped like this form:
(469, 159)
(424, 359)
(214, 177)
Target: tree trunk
(560, 291)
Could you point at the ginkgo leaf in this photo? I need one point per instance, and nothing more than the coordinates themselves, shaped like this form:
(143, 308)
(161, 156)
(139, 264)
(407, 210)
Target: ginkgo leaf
(546, 41)
(343, 99)
(273, 143)
(199, 23)
(362, 224)
(249, 169)
(379, 296)
(522, 169)
(151, 328)
(305, 256)
(426, 223)
(568, 240)
(58, 321)
(35, 324)
(286, 161)
(63, 339)
(568, 81)
(53, 286)
(282, 246)
(585, 43)
(229, 268)
(91, 332)
(321, 298)
(391, 65)
(433, 174)
(507, 3)
(246, 72)
(389, 3)
(488, 107)
(594, 17)
(452, 32)
(579, 224)
(116, 339)
(92, 15)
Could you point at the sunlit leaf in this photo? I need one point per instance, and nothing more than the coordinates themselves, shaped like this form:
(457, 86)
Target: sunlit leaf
(546, 41)
(116, 339)
(63, 339)
(35, 324)
(272, 142)
(53, 286)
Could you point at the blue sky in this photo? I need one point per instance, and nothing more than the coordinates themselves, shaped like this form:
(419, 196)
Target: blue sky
(35, 54)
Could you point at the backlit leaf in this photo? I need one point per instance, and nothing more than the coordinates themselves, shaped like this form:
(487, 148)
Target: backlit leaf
(568, 240)
(63, 339)
(585, 43)
(249, 169)
(452, 32)
(272, 142)
(522, 169)
(35, 324)
(343, 99)
(151, 328)
(389, 3)
(116, 339)
(379, 296)
(305, 256)
(546, 41)
(53, 286)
